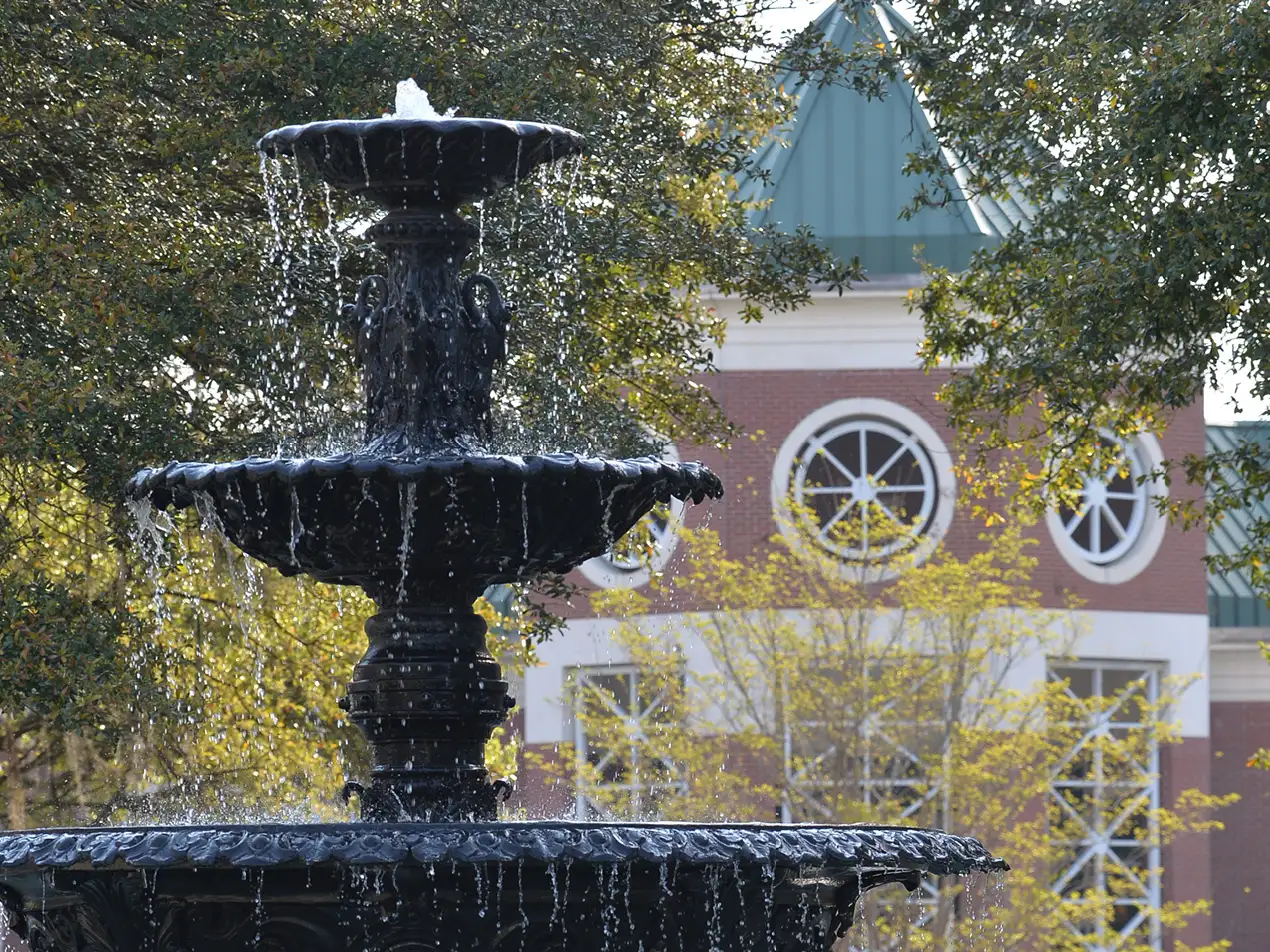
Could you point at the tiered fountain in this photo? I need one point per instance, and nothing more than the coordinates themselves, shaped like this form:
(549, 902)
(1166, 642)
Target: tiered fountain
(423, 519)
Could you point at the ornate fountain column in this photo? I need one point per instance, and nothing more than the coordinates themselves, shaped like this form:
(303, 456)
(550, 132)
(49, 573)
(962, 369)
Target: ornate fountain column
(426, 346)
(420, 516)
(427, 694)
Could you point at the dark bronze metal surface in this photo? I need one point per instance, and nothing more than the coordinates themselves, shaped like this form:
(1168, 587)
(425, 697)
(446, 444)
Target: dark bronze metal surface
(533, 886)
(423, 518)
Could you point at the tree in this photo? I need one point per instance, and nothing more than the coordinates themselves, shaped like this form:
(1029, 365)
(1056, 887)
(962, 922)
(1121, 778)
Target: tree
(834, 699)
(138, 324)
(1137, 135)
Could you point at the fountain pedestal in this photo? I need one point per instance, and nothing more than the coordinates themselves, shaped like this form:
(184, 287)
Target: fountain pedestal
(428, 695)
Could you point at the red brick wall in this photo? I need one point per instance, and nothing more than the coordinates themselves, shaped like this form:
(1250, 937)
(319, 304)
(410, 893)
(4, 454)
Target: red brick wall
(1187, 861)
(769, 404)
(1241, 852)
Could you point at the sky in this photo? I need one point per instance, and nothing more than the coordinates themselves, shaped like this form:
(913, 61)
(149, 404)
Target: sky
(794, 14)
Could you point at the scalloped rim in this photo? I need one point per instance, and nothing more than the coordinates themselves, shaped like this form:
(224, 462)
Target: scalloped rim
(288, 135)
(195, 475)
(846, 847)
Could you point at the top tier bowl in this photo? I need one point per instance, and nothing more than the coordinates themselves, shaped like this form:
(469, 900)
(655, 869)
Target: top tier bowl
(421, 163)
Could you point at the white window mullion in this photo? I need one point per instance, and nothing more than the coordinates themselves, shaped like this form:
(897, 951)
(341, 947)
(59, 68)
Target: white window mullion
(1116, 795)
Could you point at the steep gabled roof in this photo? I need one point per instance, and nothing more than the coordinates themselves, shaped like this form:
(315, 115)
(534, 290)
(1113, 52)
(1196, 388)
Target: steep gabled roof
(1232, 600)
(838, 168)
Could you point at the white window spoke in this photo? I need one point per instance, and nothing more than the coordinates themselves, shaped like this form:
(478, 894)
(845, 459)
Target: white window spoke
(1077, 517)
(892, 460)
(838, 516)
(1110, 516)
(887, 510)
(835, 463)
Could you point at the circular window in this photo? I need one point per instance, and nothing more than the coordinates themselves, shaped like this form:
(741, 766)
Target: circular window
(1113, 530)
(871, 487)
(1111, 509)
(646, 549)
(867, 479)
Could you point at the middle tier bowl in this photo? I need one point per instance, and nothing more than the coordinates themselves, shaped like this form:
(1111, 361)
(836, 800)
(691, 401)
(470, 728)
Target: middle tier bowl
(389, 524)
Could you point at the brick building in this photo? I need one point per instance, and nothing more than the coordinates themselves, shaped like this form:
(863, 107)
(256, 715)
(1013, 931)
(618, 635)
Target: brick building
(840, 377)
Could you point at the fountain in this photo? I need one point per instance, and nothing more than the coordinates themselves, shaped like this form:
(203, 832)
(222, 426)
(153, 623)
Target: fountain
(423, 517)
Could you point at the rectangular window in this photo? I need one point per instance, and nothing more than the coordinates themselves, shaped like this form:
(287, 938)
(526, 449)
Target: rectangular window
(857, 747)
(864, 744)
(1104, 799)
(616, 718)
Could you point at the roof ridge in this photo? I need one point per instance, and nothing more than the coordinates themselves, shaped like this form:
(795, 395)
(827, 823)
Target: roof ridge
(837, 166)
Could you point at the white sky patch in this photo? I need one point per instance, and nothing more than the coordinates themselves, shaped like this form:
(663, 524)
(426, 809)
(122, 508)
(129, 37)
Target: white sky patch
(791, 15)
(1230, 400)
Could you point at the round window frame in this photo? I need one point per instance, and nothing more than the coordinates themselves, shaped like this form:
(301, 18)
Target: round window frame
(603, 572)
(1150, 536)
(883, 411)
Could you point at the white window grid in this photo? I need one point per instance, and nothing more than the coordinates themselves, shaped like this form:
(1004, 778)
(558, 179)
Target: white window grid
(890, 772)
(1116, 796)
(618, 688)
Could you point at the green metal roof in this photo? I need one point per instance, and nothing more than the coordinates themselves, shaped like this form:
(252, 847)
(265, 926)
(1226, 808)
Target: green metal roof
(1232, 600)
(839, 169)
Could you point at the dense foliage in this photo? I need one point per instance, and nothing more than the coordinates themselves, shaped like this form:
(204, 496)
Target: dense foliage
(913, 703)
(1139, 135)
(143, 317)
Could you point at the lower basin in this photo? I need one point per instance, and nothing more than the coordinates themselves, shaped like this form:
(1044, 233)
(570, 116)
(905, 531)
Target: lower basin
(416, 887)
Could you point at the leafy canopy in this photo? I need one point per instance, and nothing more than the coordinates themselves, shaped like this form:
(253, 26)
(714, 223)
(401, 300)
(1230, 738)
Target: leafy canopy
(143, 318)
(1138, 134)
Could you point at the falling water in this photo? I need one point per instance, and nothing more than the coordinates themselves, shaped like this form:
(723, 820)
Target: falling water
(407, 494)
(361, 151)
(337, 251)
(151, 528)
(243, 574)
(306, 233)
(606, 526)
(258, 912)
(498, 900)
(524, 521)
(297, 527)
(555, 896)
